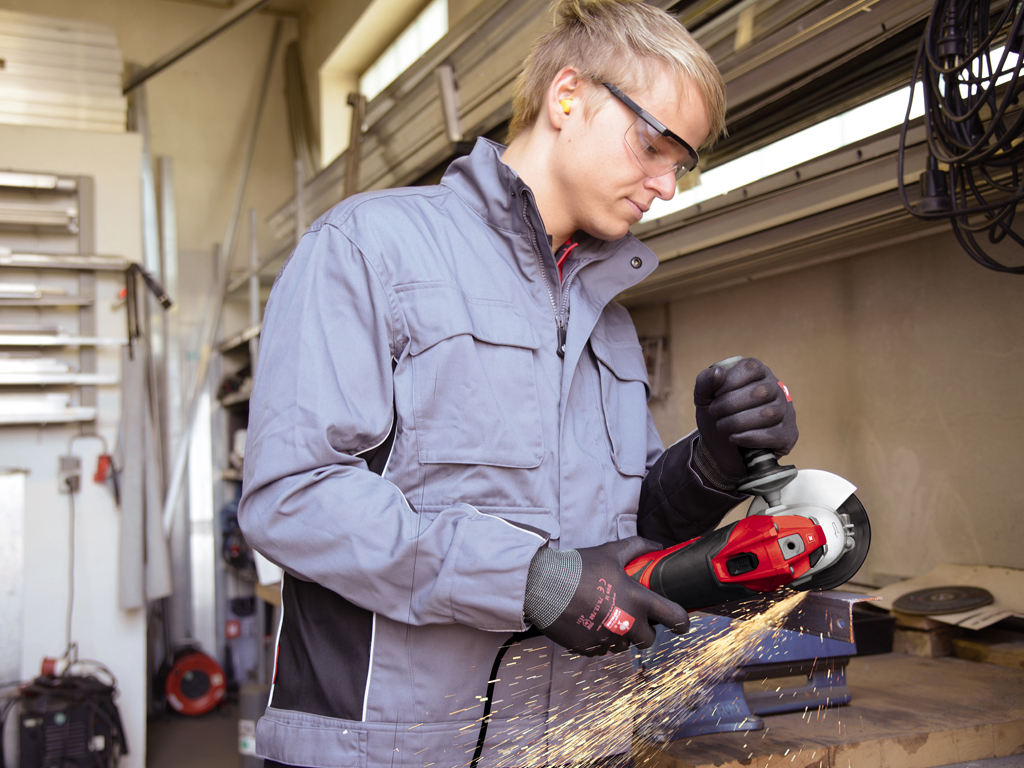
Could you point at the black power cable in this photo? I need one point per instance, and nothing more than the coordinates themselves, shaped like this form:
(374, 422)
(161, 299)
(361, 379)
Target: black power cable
(974, 123)
(485, 718)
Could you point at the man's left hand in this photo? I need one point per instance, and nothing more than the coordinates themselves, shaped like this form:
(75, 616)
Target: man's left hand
(744, 406)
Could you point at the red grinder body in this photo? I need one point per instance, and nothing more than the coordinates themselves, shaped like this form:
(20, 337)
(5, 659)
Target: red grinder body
(758, 554)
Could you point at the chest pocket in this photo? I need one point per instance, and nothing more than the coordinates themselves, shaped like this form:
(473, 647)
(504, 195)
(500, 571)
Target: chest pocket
(624, 390)
(474, 386)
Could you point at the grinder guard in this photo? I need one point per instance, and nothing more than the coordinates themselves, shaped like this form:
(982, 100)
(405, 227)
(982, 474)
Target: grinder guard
(815, 488)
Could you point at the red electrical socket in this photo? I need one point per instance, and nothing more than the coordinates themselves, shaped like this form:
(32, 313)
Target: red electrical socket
(103, 465)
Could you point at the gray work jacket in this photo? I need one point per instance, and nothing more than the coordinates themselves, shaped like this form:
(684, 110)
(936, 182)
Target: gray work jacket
(414, 437)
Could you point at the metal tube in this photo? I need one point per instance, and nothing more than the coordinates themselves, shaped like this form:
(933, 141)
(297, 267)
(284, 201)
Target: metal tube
(282, 249)
(230, 18)
(445, 76)
(300, 200)
(212, 319)
(254, 293)
(358, 103)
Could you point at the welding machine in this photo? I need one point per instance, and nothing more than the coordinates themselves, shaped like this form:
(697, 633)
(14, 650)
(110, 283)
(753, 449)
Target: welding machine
(70, 721)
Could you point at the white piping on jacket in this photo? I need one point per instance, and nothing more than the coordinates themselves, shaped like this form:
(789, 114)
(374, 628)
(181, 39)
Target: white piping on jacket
(277, 647)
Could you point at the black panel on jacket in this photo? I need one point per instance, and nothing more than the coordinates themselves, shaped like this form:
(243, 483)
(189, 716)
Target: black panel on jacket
(323, 655)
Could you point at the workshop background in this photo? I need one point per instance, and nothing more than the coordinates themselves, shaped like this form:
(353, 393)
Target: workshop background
(903, 355)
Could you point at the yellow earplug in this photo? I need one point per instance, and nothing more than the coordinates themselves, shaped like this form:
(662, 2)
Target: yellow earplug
(566, 105)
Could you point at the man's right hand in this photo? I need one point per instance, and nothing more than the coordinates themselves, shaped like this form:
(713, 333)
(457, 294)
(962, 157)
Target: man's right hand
(583, 600)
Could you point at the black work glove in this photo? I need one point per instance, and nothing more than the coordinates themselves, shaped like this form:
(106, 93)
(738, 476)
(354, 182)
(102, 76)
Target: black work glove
(743, 406)
(584, 601)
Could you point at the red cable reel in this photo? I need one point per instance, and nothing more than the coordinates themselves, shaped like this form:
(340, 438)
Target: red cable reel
(195, 684)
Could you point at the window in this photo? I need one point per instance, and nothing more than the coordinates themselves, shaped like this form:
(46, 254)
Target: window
(429, 27)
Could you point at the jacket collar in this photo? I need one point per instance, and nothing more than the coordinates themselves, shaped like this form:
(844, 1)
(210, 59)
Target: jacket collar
(488, 186)
(494, 191)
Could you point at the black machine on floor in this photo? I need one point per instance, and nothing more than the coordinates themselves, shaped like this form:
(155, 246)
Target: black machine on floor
(70, 721)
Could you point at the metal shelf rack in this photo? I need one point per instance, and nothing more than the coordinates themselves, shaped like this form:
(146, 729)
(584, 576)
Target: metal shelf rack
(48, 269)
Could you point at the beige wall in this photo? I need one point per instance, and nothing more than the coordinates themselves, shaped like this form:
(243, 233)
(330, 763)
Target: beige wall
(906, 368)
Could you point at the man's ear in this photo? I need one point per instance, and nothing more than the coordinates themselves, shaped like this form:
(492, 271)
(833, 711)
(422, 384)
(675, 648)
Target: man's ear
(562, 92)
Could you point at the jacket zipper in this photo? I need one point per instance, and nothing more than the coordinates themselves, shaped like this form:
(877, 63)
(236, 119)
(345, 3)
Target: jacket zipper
(565, 298)
(544, 275)
(559, 309)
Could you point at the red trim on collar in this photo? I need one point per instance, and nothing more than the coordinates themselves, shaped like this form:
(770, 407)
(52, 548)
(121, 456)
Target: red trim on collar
(565, 250)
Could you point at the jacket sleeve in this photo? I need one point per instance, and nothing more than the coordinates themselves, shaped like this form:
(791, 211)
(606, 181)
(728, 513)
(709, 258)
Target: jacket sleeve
(323, 397)
(676, 504)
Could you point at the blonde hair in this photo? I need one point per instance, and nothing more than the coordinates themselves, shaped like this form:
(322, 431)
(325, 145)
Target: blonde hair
(623, 42)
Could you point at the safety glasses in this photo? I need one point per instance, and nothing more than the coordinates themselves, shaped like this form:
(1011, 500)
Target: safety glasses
(657, 149)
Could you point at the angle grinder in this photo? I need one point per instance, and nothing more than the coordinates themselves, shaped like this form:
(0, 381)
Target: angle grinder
(804, 529)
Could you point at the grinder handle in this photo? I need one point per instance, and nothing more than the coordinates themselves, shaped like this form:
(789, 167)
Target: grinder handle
(765, 476)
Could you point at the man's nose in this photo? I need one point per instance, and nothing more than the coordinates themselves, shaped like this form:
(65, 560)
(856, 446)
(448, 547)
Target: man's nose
(663, 186)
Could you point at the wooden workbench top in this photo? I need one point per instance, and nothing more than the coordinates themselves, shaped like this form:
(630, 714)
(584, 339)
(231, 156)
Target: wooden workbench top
(906, 712)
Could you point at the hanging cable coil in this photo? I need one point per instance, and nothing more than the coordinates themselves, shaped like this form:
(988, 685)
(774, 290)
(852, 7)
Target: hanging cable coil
(969, 68)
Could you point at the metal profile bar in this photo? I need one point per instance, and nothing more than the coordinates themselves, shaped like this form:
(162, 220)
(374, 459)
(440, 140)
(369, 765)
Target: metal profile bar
(212, 319)
(56, 379)
(36, 181)
(352, 155)
(240, 338)
(449, 101)
(47, 301)
(229, 19)
(68, 261)
(282, 249)
(34, 340)
(67, 415)
(300, 199)
(254, 293)
(88, 360)
(405, 134)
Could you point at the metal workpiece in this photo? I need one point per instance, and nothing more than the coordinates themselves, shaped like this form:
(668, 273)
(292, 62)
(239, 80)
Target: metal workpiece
(828, 614)
(64, 261)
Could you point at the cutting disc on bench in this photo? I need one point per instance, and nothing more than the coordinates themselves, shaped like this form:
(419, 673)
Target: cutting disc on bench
(939, 600)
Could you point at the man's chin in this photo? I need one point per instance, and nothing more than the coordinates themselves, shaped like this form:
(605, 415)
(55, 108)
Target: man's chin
(608, 232)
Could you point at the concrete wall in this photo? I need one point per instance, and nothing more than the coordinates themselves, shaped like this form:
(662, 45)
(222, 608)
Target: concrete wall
(103, 632)
(905, 367)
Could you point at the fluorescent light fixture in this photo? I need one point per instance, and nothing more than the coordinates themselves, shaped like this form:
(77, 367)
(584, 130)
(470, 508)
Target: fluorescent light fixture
(827, 136)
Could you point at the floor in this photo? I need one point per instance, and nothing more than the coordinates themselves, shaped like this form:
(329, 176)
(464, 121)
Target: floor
(209, 741)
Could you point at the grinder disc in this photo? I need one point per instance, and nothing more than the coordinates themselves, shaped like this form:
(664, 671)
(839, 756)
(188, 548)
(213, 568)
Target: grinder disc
(849, 562)
(936, 601)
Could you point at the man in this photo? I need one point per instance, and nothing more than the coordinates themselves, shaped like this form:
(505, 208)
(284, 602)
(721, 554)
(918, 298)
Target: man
(449, 440)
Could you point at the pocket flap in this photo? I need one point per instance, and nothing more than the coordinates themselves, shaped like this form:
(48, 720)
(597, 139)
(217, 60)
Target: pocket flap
(438, 312)
(625, 360)
(299, 738)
